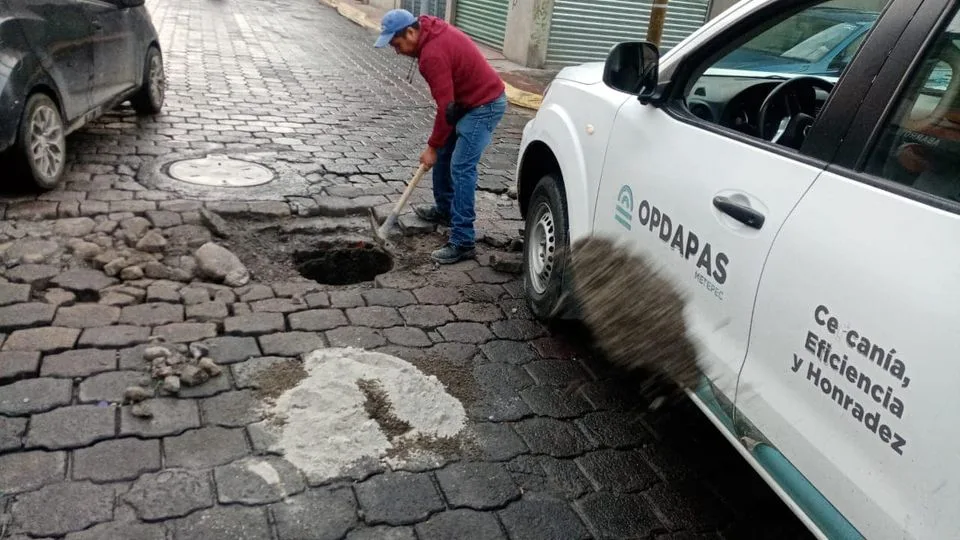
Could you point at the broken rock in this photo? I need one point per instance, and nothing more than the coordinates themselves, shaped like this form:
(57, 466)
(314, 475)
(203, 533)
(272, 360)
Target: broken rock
(152, 242)
(193, 376)
(171, 384)
(209, 366)
(217, 263)
(136, 394)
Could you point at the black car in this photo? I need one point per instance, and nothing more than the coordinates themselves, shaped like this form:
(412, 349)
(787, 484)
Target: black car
(64, 63)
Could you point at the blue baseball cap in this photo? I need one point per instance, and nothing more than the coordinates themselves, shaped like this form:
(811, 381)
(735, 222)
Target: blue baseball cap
(394, 21)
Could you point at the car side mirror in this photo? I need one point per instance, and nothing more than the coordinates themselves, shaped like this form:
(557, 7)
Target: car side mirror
(632, 67)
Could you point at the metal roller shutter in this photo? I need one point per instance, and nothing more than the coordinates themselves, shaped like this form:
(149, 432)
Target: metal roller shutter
(585, 30)
(433, 7)
(483, 20)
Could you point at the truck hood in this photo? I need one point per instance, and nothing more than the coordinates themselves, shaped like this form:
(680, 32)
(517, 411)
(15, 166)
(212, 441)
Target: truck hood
(589, 73)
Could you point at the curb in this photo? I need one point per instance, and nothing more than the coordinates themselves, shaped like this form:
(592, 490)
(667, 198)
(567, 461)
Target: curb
(516, 96)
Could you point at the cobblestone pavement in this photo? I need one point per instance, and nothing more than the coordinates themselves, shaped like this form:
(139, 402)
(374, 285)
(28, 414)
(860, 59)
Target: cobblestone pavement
(100, 270)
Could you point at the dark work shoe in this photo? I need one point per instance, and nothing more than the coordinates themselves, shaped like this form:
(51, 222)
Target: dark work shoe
(450, 254)
(432, 215)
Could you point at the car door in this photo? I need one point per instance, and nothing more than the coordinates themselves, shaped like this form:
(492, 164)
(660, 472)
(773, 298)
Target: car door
(115, 52)
(62, 36)
(851, 371)
(692, 184)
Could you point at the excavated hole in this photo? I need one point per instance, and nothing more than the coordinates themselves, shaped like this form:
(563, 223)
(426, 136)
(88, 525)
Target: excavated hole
(343, 265)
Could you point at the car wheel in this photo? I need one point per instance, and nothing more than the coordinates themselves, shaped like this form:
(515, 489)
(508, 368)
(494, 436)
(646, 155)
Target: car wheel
(41, 142)
(545, 247)
(149, 100)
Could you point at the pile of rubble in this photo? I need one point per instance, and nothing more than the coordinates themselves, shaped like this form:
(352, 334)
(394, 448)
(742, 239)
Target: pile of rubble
(169, 369)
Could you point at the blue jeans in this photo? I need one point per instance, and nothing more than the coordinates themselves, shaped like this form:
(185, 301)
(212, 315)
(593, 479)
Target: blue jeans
(455, 173)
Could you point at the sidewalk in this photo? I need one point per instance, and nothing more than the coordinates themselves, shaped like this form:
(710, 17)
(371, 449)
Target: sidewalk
(525, 86)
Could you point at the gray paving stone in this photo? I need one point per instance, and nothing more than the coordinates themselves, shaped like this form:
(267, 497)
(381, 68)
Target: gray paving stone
(438, 295)
(510, 352)
(374, 317)
(614, 515)
(27, 471)
(71, 427)
(36, 276)
(356, 336)
(465, 332)
(13, 293)
(317, 320)
(121, 530)
(82, 281)
(477, 312)
(398, 498)
(426, 316)
(86, 316)
(114, 337)
(254, 324)
(205, 447)
(108, 386)
(207, 312)
(152, 314)
(388, 297)
(118, 459)
(163, 218)
(17, 364)
(223, 523)
(194, 295)
(615, 429)
(552, 437)
(25, 315)
(542, 519)
(58, 509)
(245, 374)
(232, 349)
(170, 493)
(480, 486)
(47, 339)
(164, 292)
(318, 514)
(213, 386)
(686, 506)
(78, 363)
(401, 280)
(291, 343)
(254, 292)
(34, 395)
(555, 402)
(231, 409)
(382, 532)
(485, 274)
(518, 330)
(617, 470)
(345, 299)
(171, 416)
(12, 431)
(291, 289)
(407, 336)
(257, 480)
(318, 300)
(557, 372)
(460, 524)
(185, 332)
(278, 305)
(497, 442)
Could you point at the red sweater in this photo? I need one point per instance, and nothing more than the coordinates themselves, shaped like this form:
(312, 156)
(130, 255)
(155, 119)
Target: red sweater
(456, 70)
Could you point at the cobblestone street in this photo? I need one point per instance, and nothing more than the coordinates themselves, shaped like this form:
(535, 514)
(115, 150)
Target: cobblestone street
(124, 259)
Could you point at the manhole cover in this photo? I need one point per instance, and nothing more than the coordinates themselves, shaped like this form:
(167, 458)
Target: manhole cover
(343, 265)
(220, 171)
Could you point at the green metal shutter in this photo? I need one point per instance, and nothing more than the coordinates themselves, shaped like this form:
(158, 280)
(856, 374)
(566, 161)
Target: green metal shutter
(483, 20)
(585, 30)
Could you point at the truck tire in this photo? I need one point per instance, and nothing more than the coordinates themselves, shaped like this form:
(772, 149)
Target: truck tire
(545, 245)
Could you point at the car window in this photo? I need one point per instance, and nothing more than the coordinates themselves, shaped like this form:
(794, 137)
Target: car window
(819, 40)
(920, 144)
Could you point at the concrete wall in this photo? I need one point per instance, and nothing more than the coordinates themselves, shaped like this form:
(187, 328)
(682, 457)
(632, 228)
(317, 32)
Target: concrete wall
(719, 6)
(384, 4)
(528, 32)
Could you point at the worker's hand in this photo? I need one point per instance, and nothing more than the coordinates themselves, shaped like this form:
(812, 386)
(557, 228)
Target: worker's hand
(428, 158)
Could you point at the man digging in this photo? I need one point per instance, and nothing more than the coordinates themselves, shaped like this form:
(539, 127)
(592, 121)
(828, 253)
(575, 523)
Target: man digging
(471, 101)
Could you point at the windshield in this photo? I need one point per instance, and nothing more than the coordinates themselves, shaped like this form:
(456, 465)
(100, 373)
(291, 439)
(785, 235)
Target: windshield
(814, 48)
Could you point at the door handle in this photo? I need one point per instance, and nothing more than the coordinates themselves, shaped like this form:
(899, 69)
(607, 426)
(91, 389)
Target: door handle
(740, 212)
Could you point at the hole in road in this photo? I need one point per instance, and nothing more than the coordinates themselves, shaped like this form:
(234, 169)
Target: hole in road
(343, 265)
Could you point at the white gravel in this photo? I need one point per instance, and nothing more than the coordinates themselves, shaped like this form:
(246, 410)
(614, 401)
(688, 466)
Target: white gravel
(326, 428)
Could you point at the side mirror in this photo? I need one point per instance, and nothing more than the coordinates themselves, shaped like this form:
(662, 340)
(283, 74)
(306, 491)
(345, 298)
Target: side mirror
(632, 67)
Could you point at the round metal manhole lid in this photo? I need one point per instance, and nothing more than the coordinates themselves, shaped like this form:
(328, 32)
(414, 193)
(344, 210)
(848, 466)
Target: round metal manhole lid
(220, 171)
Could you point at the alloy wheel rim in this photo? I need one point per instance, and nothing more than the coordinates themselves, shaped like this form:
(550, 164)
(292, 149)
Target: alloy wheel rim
(157, 80)
(542, 249)
(46, 141)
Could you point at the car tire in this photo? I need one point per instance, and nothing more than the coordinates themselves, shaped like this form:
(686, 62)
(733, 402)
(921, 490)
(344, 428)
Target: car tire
(149, 99)
(545, 247)
(41, 151)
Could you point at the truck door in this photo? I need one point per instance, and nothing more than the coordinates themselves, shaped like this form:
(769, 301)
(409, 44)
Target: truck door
(852, 369)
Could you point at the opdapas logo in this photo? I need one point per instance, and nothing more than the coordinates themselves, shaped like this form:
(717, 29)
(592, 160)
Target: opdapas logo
(624, 211)
(713, 263)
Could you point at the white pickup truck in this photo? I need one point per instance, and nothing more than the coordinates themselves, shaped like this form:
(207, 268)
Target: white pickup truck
(794, 166)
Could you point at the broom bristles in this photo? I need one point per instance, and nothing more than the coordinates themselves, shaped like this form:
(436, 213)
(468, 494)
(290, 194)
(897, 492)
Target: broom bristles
(634, 313)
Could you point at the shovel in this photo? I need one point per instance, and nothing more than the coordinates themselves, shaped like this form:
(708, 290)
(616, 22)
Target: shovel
(384, 230)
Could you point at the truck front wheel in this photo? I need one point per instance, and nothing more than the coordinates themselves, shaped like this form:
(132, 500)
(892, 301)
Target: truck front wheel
(545, 247)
